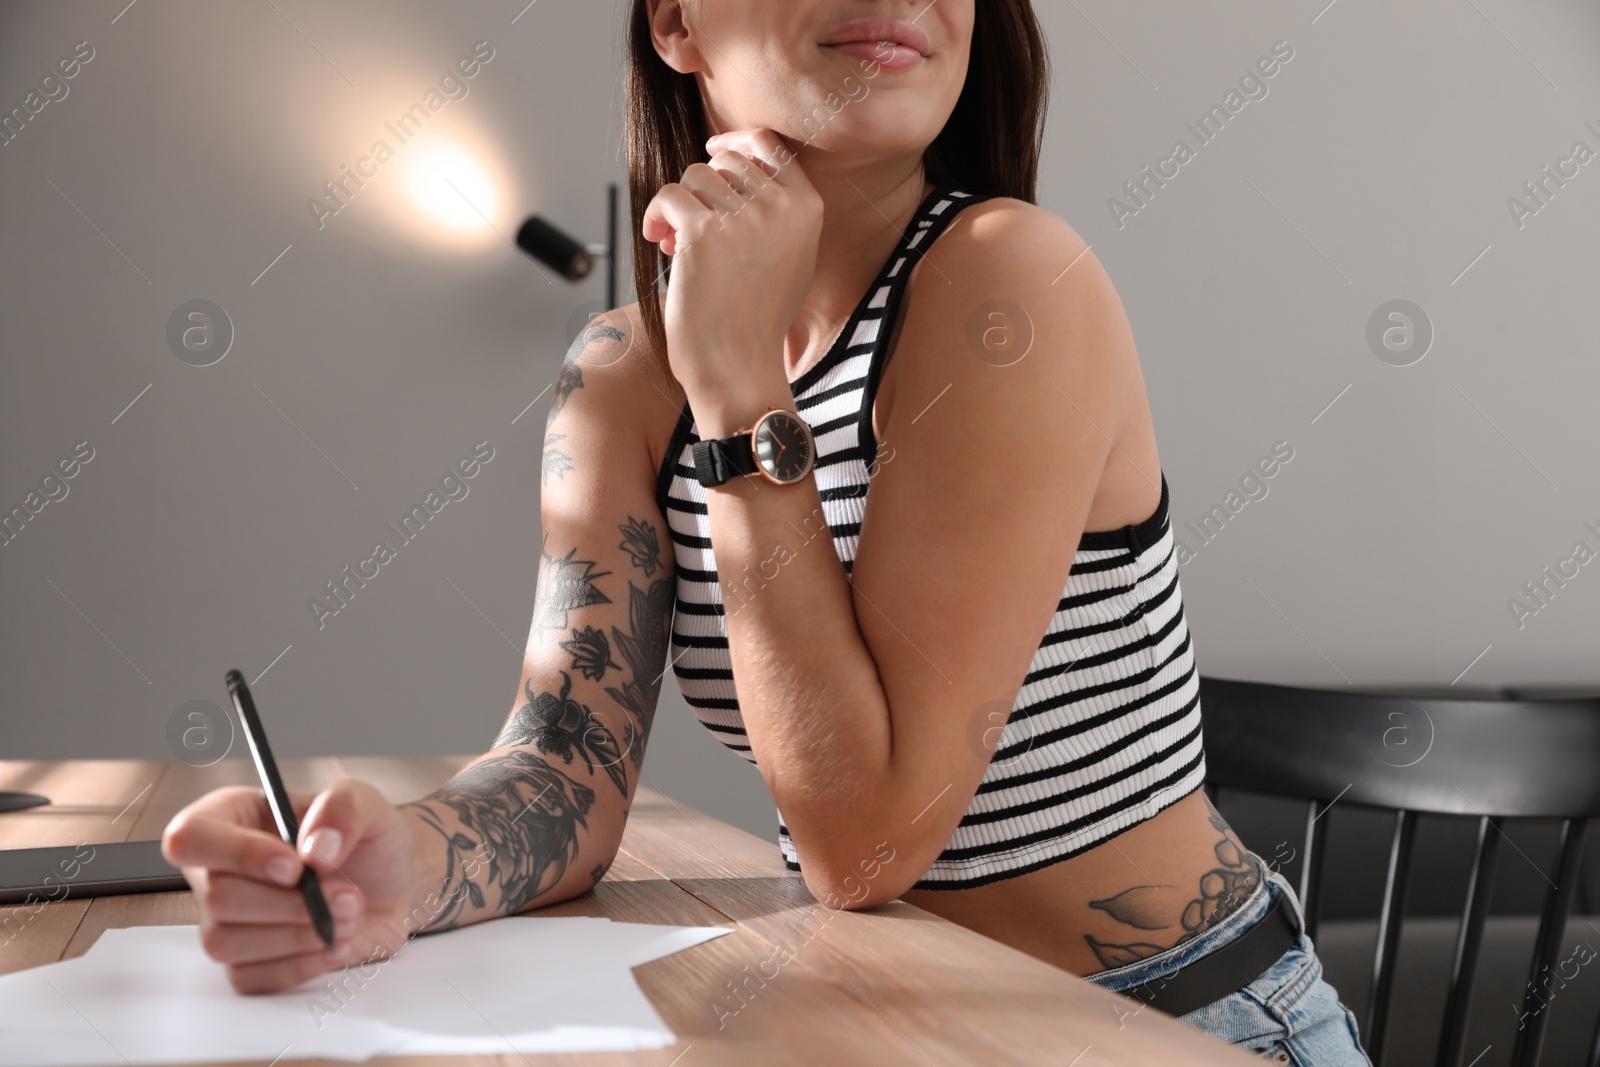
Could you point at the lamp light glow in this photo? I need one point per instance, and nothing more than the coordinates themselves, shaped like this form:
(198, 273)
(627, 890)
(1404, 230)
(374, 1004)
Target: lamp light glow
(452, 188)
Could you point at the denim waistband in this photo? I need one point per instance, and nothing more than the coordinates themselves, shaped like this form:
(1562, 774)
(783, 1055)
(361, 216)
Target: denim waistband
(1270, 886)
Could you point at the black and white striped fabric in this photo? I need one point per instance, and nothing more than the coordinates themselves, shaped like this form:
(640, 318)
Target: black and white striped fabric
(1105, 731)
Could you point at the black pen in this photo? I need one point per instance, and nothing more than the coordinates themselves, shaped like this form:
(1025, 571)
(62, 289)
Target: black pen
(278, 801)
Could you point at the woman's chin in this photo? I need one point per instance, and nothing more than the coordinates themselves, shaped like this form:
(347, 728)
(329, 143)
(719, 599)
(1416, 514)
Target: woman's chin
(875, 136)
(865, 149)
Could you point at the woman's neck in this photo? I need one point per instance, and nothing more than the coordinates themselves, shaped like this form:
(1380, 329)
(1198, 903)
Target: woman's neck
(864, 217)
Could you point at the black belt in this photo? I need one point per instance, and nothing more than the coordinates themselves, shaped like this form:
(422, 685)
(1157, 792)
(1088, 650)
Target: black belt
(1227, 970)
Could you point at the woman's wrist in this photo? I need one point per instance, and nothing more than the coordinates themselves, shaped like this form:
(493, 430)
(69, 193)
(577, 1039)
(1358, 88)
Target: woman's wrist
(429, 867)
(727, 409)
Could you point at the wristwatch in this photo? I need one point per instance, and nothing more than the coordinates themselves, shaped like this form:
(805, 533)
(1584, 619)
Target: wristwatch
(779, 446)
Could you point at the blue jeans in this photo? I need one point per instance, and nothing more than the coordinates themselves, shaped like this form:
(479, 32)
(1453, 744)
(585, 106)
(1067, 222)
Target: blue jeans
(1288, 1014)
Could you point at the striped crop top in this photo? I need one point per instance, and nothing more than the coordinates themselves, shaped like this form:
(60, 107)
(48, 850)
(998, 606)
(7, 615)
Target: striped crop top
(1105, 731)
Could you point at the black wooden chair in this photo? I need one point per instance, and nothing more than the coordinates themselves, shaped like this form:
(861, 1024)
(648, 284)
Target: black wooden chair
(1489, 759)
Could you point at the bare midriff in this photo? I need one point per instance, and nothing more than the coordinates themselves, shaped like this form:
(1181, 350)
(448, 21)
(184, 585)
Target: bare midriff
(1139, 893)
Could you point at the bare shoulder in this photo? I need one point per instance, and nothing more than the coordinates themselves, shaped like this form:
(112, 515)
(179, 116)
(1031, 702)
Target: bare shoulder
(1009, 249)
(612, 348)
(1012, 285)
(1009, 280)
(1019, 224)
(629, 382)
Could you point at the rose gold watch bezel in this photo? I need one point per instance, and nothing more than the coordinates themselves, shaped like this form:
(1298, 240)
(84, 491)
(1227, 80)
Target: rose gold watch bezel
(811, 461)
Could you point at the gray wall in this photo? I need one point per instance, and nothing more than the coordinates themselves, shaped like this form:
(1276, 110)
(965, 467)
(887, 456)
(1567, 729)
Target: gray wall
(374, 353)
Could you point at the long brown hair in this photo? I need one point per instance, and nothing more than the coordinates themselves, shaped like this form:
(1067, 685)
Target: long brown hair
(991, 144)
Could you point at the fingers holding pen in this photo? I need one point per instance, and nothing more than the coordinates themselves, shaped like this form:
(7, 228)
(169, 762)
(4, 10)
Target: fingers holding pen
(229, 899)
(207, 838)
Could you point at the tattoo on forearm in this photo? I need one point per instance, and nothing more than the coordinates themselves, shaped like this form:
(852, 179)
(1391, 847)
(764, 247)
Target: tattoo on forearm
(1222, 891)
(524, 811)
(519, 811)
(557, 725)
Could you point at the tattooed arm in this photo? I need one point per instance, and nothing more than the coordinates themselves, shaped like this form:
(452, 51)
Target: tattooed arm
(538, 818)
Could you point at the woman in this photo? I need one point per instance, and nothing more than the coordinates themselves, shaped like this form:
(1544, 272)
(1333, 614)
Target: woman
(984, 699)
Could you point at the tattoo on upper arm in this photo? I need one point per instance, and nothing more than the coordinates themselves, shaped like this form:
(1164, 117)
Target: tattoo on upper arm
(556, 461)
(520, 811)
(1223, 890)
(569, 381)
(640, 542)
(591, 652)
(566, 585)
(571, 377)
(645, 648)
(560, 725)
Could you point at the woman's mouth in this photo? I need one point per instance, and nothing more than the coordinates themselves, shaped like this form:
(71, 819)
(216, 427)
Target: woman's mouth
(885, 54)
(892, 44)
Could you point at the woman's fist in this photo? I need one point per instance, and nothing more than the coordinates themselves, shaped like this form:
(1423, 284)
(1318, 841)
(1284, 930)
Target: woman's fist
(743, 233)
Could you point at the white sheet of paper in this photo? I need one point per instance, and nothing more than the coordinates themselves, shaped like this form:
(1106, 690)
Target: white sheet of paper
(149, 994)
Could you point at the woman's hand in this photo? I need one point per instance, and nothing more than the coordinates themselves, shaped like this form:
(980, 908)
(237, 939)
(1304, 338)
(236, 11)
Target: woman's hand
(245, 878)
(743, 232)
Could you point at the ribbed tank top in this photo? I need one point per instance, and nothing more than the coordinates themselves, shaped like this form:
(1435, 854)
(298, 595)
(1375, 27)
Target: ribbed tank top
(1105, 731)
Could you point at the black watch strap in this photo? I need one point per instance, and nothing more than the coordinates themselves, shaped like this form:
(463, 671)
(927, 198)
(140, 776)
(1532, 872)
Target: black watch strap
(721, 459)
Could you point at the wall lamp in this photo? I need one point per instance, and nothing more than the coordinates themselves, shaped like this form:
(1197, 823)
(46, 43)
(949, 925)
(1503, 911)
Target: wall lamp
(569, 257)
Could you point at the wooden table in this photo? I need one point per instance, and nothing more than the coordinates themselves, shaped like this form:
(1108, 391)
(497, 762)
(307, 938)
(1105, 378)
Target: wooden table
(891, 986)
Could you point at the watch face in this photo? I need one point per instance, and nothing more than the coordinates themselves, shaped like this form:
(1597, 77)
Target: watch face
(783, 447)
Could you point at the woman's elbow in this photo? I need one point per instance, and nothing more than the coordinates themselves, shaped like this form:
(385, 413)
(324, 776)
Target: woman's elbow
(876, 876)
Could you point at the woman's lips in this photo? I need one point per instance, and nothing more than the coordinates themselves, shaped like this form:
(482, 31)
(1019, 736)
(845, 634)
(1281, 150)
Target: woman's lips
(884, 54)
